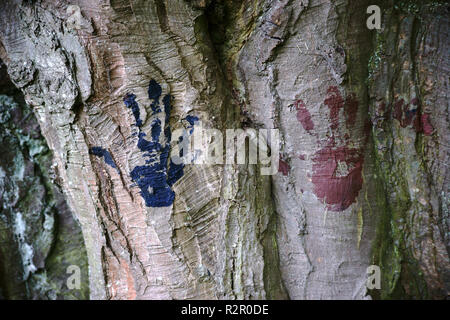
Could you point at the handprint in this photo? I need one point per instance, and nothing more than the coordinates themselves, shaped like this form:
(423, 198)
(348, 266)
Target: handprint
(158, 175)
(410, 114)
(337, 167)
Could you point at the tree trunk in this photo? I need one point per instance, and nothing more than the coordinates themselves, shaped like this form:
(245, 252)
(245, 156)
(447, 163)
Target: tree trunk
(363, 122)
(39, 239)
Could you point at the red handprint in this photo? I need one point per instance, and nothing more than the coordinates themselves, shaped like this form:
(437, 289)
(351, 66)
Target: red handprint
(337, 167)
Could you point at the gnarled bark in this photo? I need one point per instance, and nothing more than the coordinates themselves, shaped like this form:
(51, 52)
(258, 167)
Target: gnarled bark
(109, 81)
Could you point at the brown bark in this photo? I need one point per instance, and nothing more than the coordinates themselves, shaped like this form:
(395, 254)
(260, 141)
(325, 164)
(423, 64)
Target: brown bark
(304, 67)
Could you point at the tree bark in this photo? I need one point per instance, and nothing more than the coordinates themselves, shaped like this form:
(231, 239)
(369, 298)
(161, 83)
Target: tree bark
(363, 121)
(39, 238)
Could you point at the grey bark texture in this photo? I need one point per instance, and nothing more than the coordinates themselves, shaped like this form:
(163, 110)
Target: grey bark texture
(363, 121)
(39, 238)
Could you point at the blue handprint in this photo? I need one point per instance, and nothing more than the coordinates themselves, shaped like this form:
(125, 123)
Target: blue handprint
(158, 175)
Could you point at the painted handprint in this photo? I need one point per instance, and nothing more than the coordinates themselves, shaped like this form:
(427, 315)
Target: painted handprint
(337, 166)
(156, 177)
(407, 114)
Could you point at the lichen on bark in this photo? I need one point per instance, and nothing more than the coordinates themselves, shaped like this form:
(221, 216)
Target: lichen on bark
(38, 234)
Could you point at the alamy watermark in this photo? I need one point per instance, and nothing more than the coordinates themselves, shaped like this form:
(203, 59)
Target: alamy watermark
(374, 278)
(74, 280)
(374, 20)
(207, 146)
